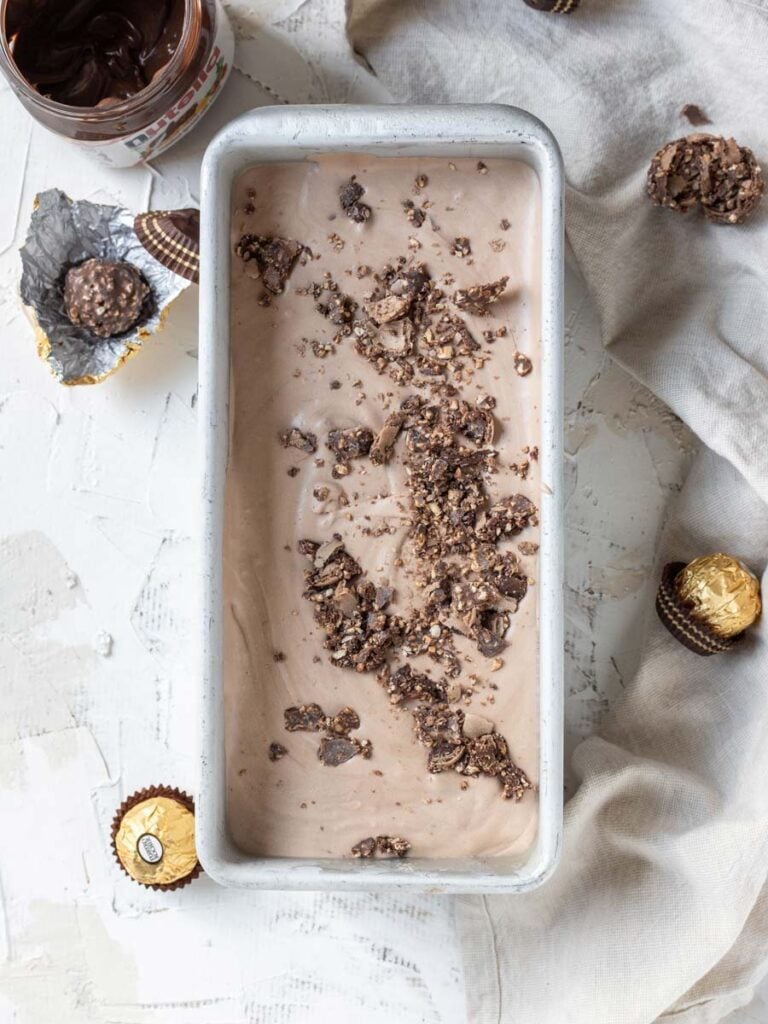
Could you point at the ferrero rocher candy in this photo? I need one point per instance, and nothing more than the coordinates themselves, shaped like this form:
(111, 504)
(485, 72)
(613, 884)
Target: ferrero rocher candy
(720, 591)
(153, 838)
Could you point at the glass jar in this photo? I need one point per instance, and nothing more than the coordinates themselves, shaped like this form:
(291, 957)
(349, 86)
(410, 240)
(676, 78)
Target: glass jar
(123, 132)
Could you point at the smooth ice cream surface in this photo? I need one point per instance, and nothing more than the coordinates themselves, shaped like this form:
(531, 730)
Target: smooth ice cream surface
(294, 369)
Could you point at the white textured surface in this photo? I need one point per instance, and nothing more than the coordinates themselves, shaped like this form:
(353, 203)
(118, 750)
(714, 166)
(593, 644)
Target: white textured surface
(96, 554)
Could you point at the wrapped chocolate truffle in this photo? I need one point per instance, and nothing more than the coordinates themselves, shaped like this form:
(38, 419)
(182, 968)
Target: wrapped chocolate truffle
(94, 293)
(173, 238)
(709, 603)
(553, 6)
(153, 838)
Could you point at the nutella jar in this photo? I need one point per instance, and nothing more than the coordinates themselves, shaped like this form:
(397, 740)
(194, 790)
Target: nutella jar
(126, 78)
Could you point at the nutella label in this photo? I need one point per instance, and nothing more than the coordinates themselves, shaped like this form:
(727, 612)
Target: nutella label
(183, 115)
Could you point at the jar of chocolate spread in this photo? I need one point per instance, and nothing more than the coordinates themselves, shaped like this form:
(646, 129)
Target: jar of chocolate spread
(126, 78)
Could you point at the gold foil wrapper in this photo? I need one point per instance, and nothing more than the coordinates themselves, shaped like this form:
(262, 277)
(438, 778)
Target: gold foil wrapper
(720, 591)
(154, 839)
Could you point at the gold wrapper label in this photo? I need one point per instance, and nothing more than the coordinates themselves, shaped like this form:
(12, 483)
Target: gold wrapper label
(720, 591)
(156, 841)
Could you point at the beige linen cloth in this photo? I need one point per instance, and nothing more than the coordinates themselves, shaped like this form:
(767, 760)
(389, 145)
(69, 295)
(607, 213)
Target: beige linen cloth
(658, 910)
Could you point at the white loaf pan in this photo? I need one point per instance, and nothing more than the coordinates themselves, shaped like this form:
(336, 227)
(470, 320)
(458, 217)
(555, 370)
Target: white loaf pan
(297, 133)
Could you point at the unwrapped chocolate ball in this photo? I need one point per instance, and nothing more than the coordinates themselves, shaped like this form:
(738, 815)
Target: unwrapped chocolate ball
(106, 296)
(708, 172)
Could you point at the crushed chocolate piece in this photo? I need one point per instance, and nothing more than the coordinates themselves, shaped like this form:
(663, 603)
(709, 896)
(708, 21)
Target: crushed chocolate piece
(523, 364)
(336, 750)
(714, 174)
(489, 755)
(478, 298)
(293, 471)
(489, 632)
(389, 846)
(504, 224)
(305, 718)
(461, 247)
(505, 576)
(384, 442)
(414, 213)
(308, 547)
(438, 724)
(350, 195)
(304, 441)
(365, 848)
(391, 307)
(274, 257)
(350, 443)
(526, 547)
(337, 307)
(386, 846)
(276, 751)
(507, 517)
(695, 115)
(405, 684)
(278, 656)
(344, 721)
(482, 167)
(325, 552)
(335, 385)
(421, 181)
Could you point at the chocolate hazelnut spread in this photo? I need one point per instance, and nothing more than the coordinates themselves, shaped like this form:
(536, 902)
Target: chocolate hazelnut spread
(126, 79)
(94, 52)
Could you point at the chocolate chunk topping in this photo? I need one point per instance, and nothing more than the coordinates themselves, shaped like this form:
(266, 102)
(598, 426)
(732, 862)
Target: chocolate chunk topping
(308, 548)
(305, 441)
(350, 195)
(336, 307)
(276, 751)
(507, 517)
(405, 684)
(385, 846)
(365, 848)
(350, 443)
(461, 247)
(479, 297)
(489, 632)
(384, 442)
(344, 721)
(391, 307)
(714, 174)
(305, 718)
(275, 258)
(107, 297)
(336, 750)
(414, 213)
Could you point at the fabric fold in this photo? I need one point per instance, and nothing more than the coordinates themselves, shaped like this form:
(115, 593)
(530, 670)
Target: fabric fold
(657, 911)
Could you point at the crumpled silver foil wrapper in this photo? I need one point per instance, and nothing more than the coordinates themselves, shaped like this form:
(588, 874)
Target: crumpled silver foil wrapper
(63, 233)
